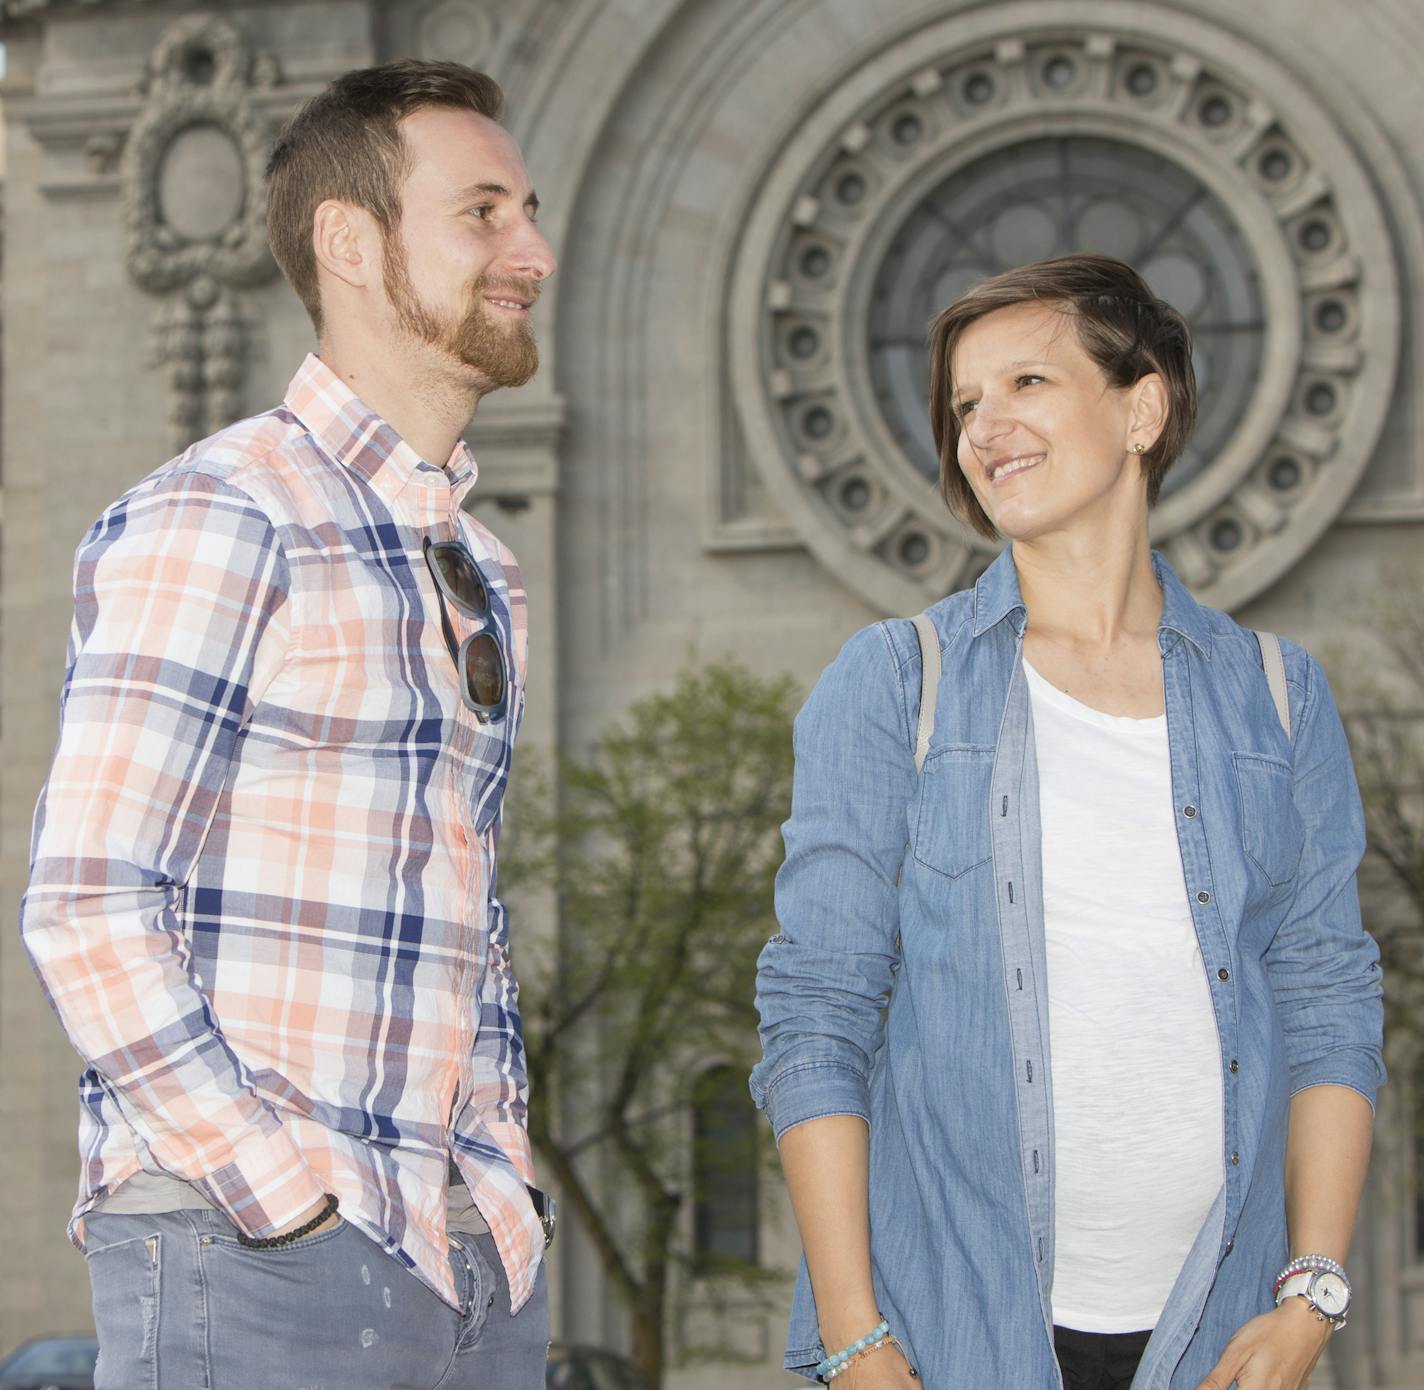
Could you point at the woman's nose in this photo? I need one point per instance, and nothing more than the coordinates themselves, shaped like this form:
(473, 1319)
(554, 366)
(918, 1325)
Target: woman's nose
(986, 423)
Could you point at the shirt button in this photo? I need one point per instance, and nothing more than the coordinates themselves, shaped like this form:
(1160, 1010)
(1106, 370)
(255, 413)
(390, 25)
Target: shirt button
(1235, 1160)
(1223, 974)
(1189, 811)
(1235, 1065)
(1229, 1245)
(1203, 896)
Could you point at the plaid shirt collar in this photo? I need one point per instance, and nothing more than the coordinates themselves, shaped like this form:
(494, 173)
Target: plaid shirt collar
(352, 435)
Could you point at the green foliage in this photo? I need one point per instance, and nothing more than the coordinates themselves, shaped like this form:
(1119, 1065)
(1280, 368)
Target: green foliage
(661, 848)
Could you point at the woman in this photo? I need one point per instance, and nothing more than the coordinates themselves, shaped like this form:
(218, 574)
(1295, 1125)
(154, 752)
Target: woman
(1071, 1038)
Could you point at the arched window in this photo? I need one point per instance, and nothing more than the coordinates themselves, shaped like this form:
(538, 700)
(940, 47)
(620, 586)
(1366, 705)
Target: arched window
(724, 1170)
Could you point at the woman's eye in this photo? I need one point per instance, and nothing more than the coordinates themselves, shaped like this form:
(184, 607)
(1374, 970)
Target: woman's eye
(1028, 378)
(965, 407)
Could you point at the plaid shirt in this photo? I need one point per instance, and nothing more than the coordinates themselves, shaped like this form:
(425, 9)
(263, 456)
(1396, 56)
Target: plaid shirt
(262, 886)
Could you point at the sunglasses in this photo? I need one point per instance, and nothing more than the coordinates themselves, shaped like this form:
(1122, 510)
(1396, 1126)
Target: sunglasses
(484, 675)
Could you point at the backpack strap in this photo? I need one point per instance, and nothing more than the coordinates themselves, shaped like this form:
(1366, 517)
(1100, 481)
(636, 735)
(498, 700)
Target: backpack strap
(1275, 667)
(929, 685)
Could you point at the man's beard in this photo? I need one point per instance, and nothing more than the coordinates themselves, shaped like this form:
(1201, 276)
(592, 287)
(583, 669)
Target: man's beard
(503, 356)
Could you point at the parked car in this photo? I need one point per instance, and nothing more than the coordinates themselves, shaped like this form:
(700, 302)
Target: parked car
(51, 1363)
(591, 1368)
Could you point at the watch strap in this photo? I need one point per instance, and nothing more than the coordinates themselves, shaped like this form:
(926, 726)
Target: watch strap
(1295, 1286)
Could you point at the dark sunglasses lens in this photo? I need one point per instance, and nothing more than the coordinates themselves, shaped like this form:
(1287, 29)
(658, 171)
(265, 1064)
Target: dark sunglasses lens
(462, 578)
(484, 671)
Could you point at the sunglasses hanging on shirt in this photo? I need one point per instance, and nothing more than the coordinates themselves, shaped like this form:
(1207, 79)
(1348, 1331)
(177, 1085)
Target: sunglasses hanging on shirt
(479, 659)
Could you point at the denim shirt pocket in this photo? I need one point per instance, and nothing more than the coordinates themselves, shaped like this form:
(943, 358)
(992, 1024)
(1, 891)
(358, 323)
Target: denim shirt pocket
(952, 821)
(1272, 831)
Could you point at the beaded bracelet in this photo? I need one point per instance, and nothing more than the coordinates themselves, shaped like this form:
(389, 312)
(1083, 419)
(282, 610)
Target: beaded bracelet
(1312, 1264)
(863, 1353)
(831, 1366)
(272, 1242)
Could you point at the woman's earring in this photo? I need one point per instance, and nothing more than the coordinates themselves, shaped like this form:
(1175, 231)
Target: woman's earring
(1139, 448)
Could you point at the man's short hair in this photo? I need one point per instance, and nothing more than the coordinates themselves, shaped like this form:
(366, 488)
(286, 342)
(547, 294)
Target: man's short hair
(346, 143)
(1123, 327)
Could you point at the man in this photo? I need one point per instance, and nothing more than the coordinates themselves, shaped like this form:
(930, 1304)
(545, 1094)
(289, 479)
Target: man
(262, 897)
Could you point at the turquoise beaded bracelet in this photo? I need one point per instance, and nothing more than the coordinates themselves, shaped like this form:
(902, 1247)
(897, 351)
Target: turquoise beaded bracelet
(832, 1364)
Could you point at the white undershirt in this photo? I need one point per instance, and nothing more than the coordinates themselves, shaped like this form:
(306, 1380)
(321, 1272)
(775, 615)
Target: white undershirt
(1137, 1084)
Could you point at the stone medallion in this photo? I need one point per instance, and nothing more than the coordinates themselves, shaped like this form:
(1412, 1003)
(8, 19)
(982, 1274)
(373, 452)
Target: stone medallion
(193, 189)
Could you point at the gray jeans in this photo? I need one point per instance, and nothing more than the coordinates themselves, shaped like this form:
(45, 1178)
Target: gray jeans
(180, 1305)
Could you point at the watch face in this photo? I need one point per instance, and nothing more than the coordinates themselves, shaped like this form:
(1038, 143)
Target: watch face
(1330, 1293)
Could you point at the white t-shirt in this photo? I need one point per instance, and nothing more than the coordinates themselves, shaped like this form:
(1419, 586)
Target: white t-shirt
(1137, 1076)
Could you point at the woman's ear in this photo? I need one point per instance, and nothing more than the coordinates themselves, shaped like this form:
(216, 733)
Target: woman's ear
(1147, 417)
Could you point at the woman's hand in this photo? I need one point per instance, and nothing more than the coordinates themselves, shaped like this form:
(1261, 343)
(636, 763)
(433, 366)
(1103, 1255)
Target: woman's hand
(885, 1368)
(1276, 1351)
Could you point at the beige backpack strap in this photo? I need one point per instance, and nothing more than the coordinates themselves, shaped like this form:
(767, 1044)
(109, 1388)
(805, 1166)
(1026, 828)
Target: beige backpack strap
(929, 686)
(1275, 666)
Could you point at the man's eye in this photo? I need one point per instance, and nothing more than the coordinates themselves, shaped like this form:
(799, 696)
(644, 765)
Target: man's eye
(483, 211)
(1028, 378)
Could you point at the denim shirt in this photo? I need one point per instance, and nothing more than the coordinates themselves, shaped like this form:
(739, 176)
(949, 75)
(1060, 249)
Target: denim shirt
(907, 984)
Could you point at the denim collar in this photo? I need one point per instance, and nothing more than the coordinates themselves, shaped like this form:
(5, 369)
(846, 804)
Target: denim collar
(997, 596)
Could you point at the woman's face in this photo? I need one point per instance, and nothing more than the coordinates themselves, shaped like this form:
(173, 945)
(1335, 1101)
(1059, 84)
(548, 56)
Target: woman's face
(1045, 442)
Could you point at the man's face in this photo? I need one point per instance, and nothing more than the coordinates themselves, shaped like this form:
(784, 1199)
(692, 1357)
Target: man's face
(463, 269)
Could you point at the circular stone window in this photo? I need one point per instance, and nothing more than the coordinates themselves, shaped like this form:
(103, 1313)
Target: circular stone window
(989, 140)
(1049, 197)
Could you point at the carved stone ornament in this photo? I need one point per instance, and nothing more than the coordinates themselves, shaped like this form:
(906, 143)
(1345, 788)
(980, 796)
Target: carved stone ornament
(456, 31)
(22, 9)
(194, 206)
(1019, 131)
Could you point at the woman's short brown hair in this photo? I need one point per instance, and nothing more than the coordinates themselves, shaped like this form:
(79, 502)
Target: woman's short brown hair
(345, 143)
(1123, 327)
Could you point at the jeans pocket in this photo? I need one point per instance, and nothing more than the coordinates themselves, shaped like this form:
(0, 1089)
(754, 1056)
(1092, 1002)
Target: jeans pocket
(227, 1238)
(477, 1287)
(125, 1259)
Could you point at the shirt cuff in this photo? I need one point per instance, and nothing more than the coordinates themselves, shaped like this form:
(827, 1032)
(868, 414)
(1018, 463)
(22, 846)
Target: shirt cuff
(1358, 1068)
(266, 1184)
(812, 1091)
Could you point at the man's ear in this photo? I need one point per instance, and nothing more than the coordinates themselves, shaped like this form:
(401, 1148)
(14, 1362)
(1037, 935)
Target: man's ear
(344, 239)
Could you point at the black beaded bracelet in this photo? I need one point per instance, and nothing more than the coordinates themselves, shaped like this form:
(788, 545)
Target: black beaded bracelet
(272, 1242)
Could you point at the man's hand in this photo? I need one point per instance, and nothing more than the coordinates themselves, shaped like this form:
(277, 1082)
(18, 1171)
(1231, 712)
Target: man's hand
(1276, 1351)
(306, 1216)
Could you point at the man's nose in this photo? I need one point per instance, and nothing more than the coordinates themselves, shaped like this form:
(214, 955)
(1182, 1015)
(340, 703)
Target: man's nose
(532, 256)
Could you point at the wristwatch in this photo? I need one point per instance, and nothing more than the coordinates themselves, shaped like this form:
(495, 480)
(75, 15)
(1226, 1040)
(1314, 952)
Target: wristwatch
(546, 1209)
(1326, 1290)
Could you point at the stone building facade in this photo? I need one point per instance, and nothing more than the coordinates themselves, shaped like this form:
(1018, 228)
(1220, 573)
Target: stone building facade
(756, 204)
